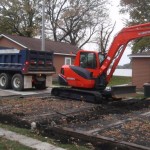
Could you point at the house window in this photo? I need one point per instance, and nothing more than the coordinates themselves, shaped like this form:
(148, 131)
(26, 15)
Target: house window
(67, 60)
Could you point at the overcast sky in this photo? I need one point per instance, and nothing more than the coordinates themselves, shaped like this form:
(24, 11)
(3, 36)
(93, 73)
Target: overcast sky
(115, 16)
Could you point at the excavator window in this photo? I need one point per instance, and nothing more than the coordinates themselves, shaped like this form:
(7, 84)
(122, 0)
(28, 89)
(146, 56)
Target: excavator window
(88, 60)
(101, 58)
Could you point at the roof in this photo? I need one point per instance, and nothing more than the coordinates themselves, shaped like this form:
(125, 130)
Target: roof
(142, 55)
(35, 44)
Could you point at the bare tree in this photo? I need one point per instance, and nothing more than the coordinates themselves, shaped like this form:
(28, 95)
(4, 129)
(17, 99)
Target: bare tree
(104, 34)
(75, 21)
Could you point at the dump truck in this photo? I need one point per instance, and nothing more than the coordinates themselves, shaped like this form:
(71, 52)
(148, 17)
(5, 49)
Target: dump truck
(22, 69)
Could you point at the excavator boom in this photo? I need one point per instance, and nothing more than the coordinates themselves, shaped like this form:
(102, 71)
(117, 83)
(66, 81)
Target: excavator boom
(119, 45)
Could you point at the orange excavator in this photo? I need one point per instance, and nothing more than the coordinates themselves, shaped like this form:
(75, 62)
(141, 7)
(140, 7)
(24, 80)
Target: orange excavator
(88, 77)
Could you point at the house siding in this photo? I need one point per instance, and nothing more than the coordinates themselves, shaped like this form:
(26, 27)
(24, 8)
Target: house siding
(7, 43)
(140, 71)
(58, 61)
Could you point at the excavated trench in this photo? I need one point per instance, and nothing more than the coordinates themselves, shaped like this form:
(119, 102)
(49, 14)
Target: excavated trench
(122, 124)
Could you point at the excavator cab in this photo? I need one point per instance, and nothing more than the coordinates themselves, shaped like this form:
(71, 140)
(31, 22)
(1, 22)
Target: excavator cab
(85, 71)
(88, 60)
(101, 58)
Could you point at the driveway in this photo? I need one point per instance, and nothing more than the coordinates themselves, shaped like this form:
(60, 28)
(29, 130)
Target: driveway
(25, 92)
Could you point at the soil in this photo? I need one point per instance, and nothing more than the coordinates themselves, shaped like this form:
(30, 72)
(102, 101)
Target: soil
(127, 120)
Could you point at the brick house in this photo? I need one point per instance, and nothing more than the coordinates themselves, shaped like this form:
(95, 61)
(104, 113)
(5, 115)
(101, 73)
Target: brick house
(140, 69)
(63, 53)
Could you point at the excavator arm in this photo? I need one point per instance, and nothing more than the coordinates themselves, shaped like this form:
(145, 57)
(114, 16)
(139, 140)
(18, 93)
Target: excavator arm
(119, 45)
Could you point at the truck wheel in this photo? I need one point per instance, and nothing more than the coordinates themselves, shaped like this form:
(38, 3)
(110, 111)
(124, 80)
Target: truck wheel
(5, 81)
(40, 86)
(17, 82)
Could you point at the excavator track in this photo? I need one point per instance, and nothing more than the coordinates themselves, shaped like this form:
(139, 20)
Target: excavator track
(78, 94)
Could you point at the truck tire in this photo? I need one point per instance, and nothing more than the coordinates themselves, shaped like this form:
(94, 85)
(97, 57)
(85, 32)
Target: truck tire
(40, 86)
(17, 82)
(5, 80)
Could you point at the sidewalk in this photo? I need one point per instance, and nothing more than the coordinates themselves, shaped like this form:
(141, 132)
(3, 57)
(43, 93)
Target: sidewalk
(27, 141)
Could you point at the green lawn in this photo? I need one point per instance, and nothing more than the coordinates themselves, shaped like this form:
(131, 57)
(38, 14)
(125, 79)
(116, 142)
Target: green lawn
(15, 146)
(11, 145)
(118, 80)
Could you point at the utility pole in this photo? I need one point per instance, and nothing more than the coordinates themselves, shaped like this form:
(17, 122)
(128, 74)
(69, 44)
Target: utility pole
(43, 26)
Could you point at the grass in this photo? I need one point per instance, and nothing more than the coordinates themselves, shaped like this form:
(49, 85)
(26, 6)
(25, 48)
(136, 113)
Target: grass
(115, 80)
(12, 145)
(27, 132)
(119, 80)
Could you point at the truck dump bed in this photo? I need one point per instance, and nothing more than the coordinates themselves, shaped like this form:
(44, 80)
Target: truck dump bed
(26, 61)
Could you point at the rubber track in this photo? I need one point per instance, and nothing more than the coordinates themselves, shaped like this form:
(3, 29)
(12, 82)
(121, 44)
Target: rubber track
(76, 94)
